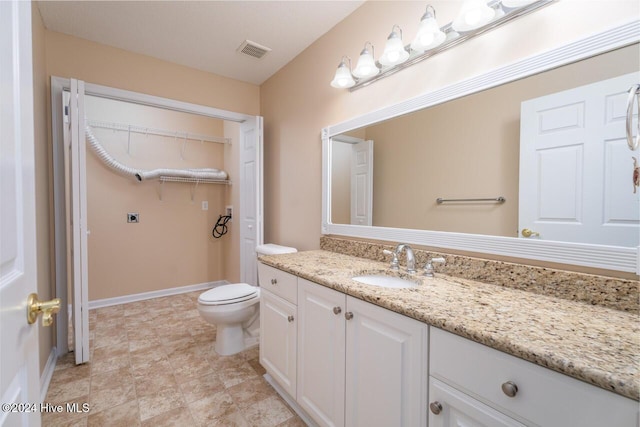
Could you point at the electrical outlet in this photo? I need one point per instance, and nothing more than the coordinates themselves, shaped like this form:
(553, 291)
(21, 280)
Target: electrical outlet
(229, 212)
(205, 205)
(133, 217)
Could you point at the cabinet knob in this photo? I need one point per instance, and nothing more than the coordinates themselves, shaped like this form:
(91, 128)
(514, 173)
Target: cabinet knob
(436, 407)
(337, 310)
(290, 319)
(274, 281)
(348, 315)
(510, 388)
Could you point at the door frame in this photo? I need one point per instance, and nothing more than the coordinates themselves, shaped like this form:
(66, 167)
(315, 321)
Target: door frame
(58, 85)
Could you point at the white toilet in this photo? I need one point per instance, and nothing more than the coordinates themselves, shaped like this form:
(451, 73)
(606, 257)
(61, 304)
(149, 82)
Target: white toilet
(234, 309)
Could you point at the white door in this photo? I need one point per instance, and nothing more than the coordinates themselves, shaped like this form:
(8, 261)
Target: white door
(396, 394)
(250, 198)
(19, 359)
(321, 353)
(362, 183)
(278, 339)
(79, 226)
(574, 160)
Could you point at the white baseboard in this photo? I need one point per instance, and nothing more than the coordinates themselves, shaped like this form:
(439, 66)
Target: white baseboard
(47, 373)
(290, 401)
(106, 302)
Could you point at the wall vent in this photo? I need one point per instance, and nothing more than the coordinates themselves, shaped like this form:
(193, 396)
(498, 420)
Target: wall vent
(253, 49)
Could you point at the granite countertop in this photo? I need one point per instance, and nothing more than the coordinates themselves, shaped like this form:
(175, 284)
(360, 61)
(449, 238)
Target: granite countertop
(592, 343)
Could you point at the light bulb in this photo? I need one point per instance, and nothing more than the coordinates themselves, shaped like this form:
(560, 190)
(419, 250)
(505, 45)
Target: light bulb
(394, 51)
(366, 66)
(426, 39)
(473, 14)
(473, 17)
(343, 77)
(429, 34)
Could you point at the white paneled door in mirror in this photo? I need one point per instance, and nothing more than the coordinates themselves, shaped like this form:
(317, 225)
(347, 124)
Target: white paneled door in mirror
(576, 171)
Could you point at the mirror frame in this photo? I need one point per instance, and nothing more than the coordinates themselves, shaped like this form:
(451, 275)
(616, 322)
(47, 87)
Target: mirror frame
(618, 258)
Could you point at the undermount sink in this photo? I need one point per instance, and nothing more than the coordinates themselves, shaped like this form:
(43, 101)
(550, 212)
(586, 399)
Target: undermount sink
(384, 281)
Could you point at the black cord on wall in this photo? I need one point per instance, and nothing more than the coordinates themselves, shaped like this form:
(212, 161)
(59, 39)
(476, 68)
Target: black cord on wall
(220, 229)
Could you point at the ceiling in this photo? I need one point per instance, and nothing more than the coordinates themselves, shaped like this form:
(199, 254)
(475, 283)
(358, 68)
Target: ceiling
(202, 34)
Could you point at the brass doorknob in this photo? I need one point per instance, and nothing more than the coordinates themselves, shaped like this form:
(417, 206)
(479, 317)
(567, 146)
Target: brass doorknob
(47, 308)
(528, 233)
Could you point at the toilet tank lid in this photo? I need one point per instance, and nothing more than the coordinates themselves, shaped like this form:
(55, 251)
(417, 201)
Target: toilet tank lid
(273, 249)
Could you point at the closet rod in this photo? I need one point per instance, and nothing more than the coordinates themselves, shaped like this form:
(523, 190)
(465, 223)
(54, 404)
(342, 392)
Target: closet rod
(181, 135)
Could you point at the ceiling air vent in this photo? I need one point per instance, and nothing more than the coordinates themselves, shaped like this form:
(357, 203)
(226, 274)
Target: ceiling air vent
(253, 49)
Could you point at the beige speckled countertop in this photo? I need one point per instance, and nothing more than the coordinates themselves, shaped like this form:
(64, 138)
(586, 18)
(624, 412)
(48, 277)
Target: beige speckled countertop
(595, 344)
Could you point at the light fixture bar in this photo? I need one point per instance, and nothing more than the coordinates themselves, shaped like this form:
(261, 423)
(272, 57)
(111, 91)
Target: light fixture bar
(510, 14)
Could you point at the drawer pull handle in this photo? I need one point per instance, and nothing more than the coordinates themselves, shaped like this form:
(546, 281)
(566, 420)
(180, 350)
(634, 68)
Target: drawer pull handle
(348, 315)
(290, 319)
(274, 281)
(436, 407)
(337, 310)
(510, 388)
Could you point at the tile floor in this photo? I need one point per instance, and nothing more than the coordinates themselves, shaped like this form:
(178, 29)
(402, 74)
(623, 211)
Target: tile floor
(153, 364)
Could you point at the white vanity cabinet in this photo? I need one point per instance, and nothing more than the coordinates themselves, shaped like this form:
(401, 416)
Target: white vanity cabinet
(321, 353)
(475, 385)
(278, 325)
(359, 364)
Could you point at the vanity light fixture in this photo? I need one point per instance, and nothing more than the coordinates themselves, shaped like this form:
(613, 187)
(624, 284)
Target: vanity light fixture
(429, 33)
(473, 14)
(476, 17)
(366, 66)
(343, 77)
(516, 3)
(394, 51)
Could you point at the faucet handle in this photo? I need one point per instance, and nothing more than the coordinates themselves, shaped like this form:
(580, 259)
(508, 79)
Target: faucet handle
(429, 271)
(394, 259)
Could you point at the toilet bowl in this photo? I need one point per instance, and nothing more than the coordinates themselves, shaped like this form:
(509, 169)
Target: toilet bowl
(235, 310)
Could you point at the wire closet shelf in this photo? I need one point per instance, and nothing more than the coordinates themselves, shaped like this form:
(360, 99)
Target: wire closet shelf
(183, 136)
(177, 135)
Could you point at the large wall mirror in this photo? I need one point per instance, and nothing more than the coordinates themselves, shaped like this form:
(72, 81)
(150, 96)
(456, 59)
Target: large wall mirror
(531, 167)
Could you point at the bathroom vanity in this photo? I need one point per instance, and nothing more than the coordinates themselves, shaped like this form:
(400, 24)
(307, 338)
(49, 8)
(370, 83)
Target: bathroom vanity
(447, 351)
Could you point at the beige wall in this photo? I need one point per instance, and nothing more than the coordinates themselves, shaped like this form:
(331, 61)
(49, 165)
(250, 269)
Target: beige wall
(172, 245)
(297, 102)
(44, 218)
(68, 56)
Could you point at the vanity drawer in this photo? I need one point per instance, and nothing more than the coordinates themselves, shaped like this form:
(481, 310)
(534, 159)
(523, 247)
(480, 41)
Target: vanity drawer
(544, 397)
(283, 284)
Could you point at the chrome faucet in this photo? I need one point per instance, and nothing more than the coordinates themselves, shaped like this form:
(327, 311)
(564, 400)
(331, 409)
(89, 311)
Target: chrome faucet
(429, 271)
(411, 259)
(394, 259)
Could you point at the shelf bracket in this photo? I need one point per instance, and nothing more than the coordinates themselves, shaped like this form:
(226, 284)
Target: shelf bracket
(194, 187)
(160, 189)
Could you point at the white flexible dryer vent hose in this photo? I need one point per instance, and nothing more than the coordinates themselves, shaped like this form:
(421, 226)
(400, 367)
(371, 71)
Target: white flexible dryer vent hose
(140, 174)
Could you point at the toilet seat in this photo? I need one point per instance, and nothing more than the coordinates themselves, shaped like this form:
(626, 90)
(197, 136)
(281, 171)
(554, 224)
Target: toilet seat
(229, 294)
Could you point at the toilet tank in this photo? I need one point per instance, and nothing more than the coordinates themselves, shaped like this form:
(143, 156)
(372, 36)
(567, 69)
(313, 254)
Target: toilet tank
(272, 249)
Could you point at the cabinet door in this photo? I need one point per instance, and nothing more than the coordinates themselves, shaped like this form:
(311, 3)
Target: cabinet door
(452, 408)
(386, 368)
(278, 339)
(321, 352)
